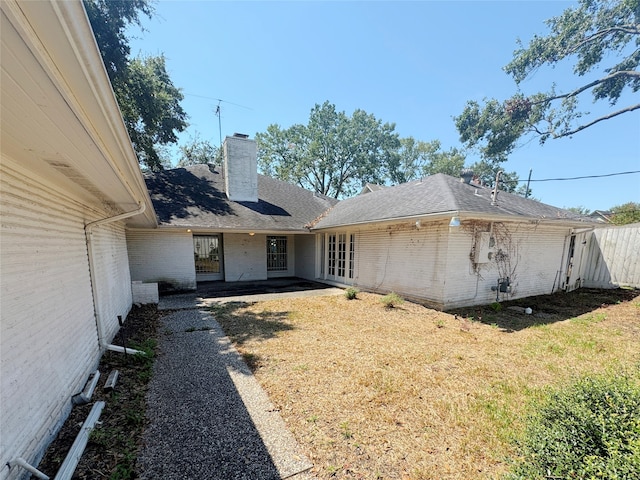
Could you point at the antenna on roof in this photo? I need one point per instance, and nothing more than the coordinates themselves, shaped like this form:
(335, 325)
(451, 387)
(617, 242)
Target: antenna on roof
(494, 196)
(219, 115)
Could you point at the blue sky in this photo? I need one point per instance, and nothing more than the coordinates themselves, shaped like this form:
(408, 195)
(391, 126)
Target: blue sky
(414, 64)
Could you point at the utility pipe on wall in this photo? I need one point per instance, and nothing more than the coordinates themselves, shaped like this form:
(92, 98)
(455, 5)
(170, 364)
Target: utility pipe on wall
(88, 228)
(21, 462)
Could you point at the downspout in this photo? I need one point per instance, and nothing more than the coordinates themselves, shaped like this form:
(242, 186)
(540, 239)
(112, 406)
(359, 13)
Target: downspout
(88, 229)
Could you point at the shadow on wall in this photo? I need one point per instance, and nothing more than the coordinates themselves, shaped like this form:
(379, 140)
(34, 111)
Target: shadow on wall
(178, 190)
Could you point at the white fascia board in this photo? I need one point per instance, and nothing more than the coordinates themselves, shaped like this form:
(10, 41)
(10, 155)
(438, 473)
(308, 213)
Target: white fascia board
(60, 37)
(559, 222)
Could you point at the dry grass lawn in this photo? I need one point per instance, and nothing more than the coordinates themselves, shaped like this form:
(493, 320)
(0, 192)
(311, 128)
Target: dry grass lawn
(413, 393)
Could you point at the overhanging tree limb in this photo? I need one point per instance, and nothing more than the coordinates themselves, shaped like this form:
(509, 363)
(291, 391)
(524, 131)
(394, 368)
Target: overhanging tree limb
(596, 34)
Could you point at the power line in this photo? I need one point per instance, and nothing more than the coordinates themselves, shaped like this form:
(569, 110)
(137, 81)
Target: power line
(217, 100)
(583, 177)
(571, 178)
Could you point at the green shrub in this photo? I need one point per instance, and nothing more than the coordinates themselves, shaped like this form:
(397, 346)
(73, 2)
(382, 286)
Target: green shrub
(496, 306)
(351, 293)
(391, 300)
(590, 430)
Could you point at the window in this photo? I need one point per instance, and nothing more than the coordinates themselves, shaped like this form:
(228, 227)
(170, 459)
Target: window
(331, 268)
(342, 253)
(323, 243)
(352, 253)
(277, 254)
(206, 251)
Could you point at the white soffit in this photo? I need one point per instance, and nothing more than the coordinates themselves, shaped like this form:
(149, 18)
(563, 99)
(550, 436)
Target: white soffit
(59, 117)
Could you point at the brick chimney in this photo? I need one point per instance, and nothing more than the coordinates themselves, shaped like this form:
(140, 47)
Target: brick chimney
(241, 168)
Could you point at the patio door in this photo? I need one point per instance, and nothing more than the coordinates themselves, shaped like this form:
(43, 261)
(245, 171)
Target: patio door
(340, 257)
(207, 253)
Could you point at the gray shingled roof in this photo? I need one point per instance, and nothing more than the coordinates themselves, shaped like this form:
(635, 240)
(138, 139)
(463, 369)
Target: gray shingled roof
(195, 197)
(438, 194)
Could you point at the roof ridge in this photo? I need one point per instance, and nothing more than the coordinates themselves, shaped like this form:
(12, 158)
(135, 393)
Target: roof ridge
(445, 180)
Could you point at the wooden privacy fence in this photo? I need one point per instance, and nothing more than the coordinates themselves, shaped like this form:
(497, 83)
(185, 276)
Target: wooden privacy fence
(613, 257)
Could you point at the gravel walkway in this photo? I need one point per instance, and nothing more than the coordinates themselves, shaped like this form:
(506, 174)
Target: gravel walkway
(209, 418)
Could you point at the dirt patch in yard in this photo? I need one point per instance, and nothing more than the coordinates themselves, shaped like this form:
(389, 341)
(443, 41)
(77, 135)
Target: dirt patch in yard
(113, 445)
(413, 393)
(547, 309)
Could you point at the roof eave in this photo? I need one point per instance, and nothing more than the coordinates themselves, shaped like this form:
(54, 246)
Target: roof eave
(60, 39)
(465, 215)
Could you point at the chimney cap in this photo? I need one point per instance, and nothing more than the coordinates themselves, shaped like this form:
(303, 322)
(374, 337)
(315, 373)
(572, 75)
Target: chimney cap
(466, 176)
(241, 135)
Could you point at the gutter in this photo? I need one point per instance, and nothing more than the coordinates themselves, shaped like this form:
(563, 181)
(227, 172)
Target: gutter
(464, 215)
(88, 229)
(430, 216)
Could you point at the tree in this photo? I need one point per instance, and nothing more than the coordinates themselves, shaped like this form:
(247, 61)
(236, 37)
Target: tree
(333, 154)
(580, 210)
(418, 159)
(421, 159)
(626, 213)
(593, 34)
(148, 100)
(197, 151)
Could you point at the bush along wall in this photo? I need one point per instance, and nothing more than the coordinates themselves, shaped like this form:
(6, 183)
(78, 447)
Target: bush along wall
(588, 430)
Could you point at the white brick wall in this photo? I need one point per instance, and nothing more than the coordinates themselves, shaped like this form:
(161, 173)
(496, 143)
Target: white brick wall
(162, 256)
(245, 257)
(433, 263)
(402, 259)
(241, 169)
(535, 256)
(305, 256)
(144, 293)
(48, 336)
(111, 276)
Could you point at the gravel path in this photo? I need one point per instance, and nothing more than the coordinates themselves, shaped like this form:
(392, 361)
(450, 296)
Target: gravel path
(209, 418)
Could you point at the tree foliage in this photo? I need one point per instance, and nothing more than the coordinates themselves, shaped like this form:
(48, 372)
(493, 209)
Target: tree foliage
(626, 213)
(602, 38)
(589, 429)
(418, 159)
(197, 151)
(334, 154)
(580, 210)
(148, 100)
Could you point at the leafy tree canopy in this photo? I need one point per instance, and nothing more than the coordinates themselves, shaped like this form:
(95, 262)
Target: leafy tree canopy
(626, 213)
(602, 38)
(418, 159)
(334, 154)
(148, 100)
(580, 210)
(197, 151)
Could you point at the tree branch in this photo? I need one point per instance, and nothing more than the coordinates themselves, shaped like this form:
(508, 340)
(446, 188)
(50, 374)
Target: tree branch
(597, 120)
(578, 91)
(629, 29)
